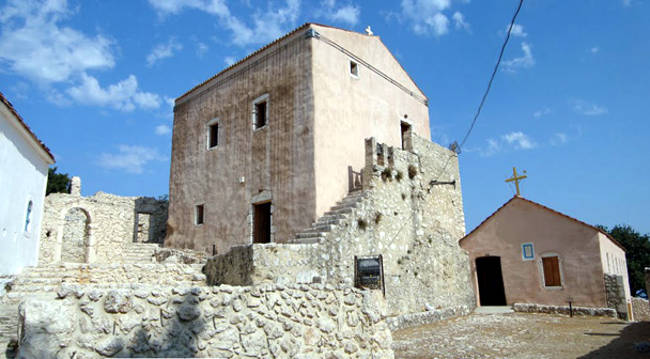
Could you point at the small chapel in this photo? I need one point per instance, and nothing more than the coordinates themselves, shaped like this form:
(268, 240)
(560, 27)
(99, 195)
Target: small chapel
(526, 252)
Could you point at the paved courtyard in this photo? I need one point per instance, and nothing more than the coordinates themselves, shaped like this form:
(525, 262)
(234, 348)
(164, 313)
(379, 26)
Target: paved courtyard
(522, 335)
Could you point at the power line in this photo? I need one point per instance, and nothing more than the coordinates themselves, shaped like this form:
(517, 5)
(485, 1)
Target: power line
(489, 86)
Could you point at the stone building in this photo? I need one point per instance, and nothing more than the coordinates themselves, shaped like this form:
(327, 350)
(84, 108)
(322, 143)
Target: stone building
(102, 228)
(528, 253)
(24, 161)
(268, 145)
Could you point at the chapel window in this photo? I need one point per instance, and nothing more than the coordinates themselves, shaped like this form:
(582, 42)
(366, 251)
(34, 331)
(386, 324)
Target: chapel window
(551, 267)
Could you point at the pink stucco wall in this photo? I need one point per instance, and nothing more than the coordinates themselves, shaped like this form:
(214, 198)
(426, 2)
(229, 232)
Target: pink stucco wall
(577, 245)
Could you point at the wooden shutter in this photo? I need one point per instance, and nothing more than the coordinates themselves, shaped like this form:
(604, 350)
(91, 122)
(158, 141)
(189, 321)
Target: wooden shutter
(551, 271)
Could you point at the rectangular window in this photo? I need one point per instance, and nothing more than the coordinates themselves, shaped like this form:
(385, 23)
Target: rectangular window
(369, 273)
(551, 271)
(198, 214)
(405, 129)
(354, 69)
(527, 251)
(213, 135)
(260, 114)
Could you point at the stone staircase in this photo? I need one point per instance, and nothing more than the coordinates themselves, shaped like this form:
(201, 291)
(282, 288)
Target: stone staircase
(331, 219)
(140, 253)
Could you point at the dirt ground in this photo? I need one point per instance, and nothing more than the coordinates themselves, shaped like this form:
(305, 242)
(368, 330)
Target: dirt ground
(522, 335)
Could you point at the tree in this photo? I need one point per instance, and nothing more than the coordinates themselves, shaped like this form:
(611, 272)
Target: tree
(637, 253)
(57, 182)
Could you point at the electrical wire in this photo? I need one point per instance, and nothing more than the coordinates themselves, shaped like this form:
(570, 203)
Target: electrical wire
(489, 86)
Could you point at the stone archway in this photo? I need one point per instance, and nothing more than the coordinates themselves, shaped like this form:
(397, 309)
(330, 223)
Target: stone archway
(76, 233)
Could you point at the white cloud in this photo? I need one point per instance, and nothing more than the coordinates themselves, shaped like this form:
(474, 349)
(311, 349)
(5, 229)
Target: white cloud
(595, 50)
(542, 112)
(347, 14)
(163, 51)
(558, 139)
(268, 24)
(519, 140)
(517, 30)
(525, 61)
(588, 109)
(426, 16)
(492, 148)
(627, 3)
(123, 95)
(35, 45)
(201, 49)
(229, 60)
(129, 158)
(162, 130)
(459, 21)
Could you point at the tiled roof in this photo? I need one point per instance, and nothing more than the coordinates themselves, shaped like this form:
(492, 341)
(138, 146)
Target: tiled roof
(548, 209)
(11, 108)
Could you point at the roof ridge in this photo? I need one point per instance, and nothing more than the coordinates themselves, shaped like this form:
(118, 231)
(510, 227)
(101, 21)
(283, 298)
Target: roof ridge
(548, 209)
(11, 108)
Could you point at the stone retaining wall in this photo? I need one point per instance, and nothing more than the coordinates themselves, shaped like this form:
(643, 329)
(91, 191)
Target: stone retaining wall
(424, 318)
(265, 321)
(641, 309)
(554, 309)
(414, 224)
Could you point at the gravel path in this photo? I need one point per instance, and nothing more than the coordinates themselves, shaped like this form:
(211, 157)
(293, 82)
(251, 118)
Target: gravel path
(522, 335)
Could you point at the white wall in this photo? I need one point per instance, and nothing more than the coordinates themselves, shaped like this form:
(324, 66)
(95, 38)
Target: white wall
(614, 261)
(23, 177)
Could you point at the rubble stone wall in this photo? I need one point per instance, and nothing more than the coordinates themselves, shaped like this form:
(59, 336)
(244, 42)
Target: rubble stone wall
(563, 309)
(101, 225)
(265, 321)
(615, 293)
(413, 224)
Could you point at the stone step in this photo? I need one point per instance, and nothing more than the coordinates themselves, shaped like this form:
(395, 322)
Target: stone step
(343, 206)
(339, 211)
(322, 227)
(326, 221)
(309, 234)
(309, 240)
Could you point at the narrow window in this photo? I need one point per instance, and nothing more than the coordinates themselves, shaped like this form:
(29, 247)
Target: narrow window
(354, 69)
(551, 271)
(198, 214)
(28, 216)
(260, 114)
(262, 223)
(406, 129)
(213, 135)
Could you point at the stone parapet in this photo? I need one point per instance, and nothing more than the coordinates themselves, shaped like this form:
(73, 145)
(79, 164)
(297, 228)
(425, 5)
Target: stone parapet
(224, 322)
(555, 309)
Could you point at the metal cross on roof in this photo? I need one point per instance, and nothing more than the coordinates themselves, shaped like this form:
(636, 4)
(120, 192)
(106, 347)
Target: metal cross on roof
(516, 178)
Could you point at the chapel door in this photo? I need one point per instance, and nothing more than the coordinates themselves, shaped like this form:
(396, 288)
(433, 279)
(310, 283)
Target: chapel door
(490, 281)
(75, 236)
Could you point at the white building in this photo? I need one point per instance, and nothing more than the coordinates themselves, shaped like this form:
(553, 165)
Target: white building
(24, 161)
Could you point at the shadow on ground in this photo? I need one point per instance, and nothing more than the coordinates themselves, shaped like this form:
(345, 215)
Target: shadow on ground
(625, 343)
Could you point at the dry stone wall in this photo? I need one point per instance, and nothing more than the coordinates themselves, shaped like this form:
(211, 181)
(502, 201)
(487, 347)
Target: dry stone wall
(415, 225)
(99, 228)
(265, 321)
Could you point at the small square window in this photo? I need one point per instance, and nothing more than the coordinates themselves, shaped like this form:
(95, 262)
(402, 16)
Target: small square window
(213, 135)
(354, 69)
(260, 114)
(198, 214)
(369, 272)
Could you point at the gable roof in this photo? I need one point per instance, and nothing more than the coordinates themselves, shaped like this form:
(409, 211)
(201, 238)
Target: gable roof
(515, 197)
(290, 33)
(20, 120)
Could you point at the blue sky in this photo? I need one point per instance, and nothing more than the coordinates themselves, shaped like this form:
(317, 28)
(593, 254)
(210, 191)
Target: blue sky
(95, 80)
